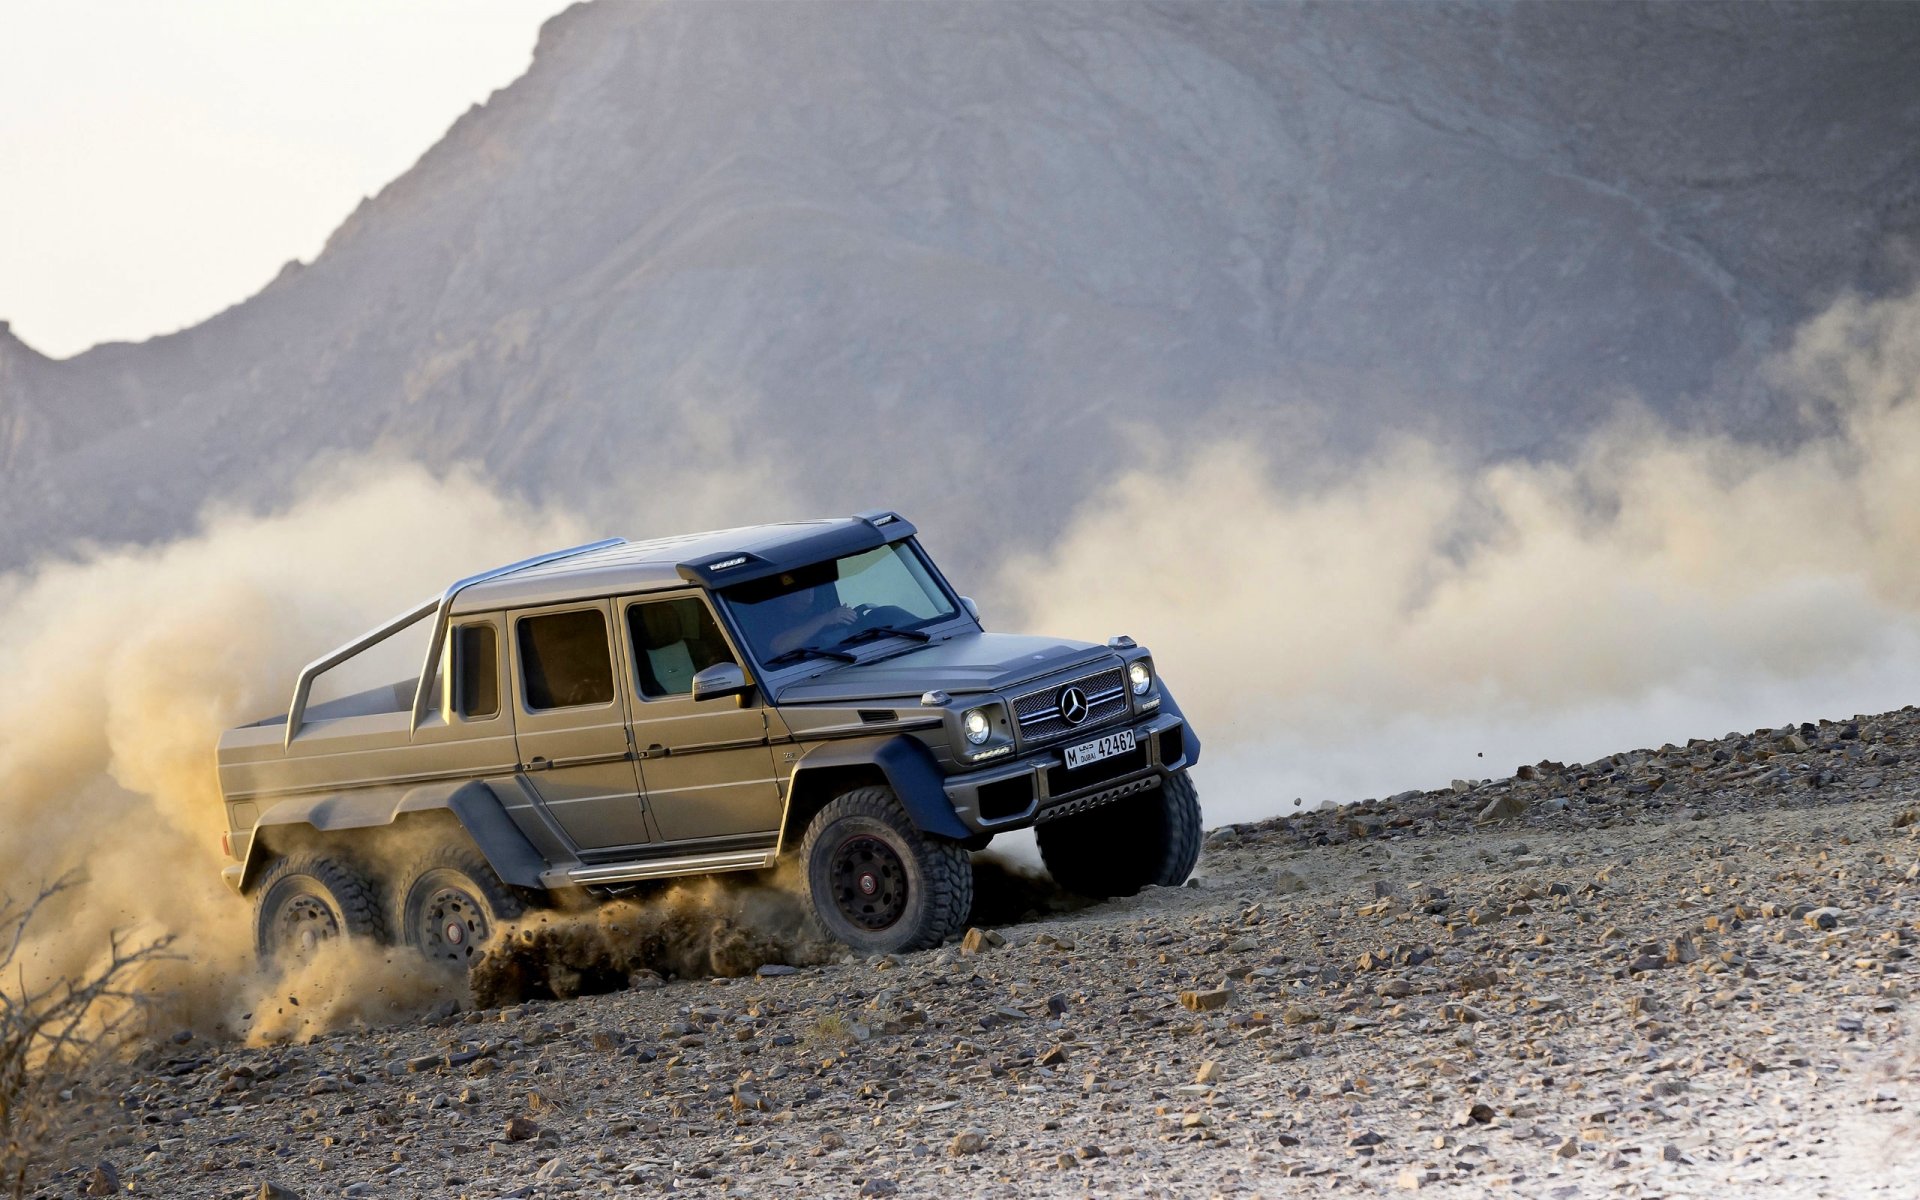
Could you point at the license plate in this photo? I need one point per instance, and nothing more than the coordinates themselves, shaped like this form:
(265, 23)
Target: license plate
(1099, 748)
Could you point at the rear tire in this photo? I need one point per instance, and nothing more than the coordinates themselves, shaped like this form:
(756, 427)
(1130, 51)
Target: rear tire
(451, 903)
(308, 900)
(878, 883)
(1119, 848)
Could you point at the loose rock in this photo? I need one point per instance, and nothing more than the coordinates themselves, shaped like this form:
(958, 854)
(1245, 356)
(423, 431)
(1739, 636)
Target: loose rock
(968, 1141)
(1208, 1000)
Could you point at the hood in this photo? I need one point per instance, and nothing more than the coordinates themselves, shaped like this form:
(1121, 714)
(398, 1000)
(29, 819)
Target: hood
(969, 662)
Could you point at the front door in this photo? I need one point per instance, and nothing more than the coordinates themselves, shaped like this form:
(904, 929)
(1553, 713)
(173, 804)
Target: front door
(706, 766)
(570, 724)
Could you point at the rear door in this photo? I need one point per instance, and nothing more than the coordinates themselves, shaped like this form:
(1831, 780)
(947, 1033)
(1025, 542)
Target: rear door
(570, 724)
(706, 766)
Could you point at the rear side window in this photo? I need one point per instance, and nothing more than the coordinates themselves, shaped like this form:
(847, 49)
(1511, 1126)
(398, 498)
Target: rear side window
(564, 660)
(673, 640)
(476, 661)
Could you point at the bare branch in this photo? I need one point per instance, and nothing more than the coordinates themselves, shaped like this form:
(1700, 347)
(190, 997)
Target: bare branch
(61, 1027)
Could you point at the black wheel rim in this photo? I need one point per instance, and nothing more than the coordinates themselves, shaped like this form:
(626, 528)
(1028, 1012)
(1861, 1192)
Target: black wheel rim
(303, 922)
(869, 883)
(450, 925)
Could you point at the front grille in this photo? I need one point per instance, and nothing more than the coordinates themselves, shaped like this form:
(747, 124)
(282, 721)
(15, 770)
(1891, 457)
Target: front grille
(1039, 712)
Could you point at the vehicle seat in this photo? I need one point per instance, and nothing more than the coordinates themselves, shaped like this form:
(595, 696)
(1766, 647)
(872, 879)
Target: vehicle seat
(668, 667)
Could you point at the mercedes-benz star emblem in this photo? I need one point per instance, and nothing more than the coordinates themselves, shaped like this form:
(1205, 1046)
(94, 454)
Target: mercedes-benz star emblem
(1073, 705)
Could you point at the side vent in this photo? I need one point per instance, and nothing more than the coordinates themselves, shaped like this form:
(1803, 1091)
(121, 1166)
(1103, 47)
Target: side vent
(878, 716)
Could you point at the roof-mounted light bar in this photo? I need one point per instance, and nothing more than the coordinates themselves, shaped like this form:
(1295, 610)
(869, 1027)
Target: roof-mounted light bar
(825, 540)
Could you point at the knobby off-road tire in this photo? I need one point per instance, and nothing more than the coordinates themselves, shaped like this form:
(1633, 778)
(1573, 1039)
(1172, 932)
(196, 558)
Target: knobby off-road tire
(879, 884)
(1119, 848)
(449, 903)
(307, 900)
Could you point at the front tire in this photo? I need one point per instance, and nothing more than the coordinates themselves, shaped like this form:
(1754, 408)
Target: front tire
(1119, 848)
(879, 884)
(309, 900)
(451, 902)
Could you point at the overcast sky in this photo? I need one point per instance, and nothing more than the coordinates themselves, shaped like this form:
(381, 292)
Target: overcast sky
(160, 161)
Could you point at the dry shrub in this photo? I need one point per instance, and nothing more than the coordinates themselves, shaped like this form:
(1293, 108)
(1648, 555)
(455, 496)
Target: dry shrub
(56, 1029)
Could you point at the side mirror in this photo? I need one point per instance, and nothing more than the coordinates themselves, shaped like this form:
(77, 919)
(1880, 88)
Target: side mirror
(720, 680)
(973, 610)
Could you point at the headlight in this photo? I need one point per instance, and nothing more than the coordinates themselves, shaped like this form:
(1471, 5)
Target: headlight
(1140, 677)
(975, 723)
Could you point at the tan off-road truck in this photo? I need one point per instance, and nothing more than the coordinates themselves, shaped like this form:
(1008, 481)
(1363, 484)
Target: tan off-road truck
(621, 712)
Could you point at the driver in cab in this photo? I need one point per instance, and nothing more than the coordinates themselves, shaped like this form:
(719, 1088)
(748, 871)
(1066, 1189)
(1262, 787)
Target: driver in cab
(803, 626)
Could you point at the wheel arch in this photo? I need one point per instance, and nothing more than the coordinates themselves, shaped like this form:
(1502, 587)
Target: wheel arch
(898, 762)
(333, 817)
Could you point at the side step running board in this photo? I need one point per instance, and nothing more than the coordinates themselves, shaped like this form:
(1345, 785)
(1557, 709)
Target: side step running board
(750, 860)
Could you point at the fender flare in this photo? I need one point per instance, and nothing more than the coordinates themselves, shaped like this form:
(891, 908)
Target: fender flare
(909, 769)
(472, 803)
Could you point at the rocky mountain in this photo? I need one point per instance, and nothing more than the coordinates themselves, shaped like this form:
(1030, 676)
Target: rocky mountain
(970, 257)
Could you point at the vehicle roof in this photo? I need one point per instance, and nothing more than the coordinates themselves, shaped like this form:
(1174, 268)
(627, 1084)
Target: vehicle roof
(706, 559)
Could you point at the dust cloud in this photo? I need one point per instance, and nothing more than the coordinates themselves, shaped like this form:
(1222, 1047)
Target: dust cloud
(1419, 620)
(1425, 619)
(345, 984)
(124, 665)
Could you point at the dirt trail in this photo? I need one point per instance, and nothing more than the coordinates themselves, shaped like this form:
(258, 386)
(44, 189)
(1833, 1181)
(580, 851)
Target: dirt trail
(1675, 972)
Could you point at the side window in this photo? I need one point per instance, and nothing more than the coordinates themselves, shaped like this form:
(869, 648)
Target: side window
(564, 661)
(673, 640)
(476, 664)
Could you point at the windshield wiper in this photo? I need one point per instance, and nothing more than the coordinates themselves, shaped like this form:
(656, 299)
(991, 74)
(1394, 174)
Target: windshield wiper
(804, 652)
(878, 631)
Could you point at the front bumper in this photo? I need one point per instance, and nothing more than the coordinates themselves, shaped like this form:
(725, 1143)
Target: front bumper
(1039, 786)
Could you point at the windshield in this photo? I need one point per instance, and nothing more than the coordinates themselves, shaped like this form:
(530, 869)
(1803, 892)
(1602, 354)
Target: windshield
(845, 601)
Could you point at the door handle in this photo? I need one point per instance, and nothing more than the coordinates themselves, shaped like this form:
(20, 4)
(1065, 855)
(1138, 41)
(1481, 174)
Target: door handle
(654, 751)
(539, 762)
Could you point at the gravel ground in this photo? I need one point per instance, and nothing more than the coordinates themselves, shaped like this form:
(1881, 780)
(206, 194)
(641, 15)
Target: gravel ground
(1668, 973)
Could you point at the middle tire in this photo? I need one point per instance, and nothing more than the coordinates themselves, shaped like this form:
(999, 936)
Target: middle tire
(878, 883)
(310, 899)
(450, 904)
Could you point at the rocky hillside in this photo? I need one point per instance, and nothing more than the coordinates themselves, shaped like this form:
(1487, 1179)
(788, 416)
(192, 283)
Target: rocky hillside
(1677, 972)
(938, 256)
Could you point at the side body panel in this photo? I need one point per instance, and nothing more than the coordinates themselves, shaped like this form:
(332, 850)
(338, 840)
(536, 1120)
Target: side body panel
(705, 765)
(345, 755)
(577, 759)
(473, 803)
